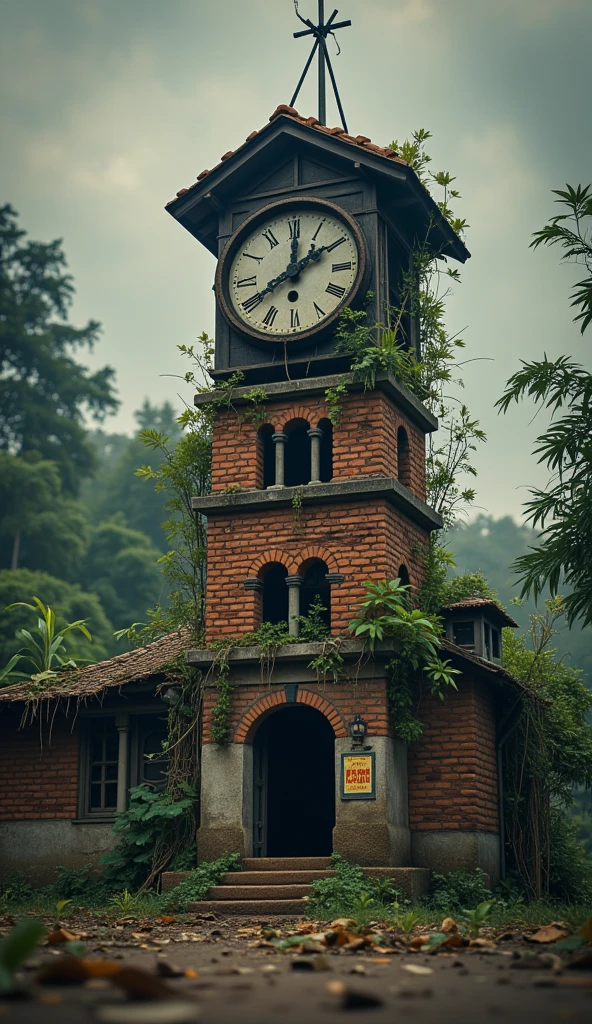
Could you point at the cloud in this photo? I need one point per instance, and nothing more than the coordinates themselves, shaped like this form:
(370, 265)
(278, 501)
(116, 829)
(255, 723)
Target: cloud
(403, 14)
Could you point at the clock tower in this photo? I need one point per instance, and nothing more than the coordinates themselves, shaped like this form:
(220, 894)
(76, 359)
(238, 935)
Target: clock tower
(306, 506)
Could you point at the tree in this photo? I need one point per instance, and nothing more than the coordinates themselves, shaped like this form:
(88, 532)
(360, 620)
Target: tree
(121, 567)
(40, 529)
(116, 488)
(563, 511)
(549, 751)
(44, 393)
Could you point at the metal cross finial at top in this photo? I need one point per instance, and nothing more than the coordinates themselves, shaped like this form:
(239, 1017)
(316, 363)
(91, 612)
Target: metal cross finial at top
(320, 33)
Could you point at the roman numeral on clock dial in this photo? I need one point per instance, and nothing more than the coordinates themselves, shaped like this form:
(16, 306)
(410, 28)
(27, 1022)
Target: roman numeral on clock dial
(294, 318)
(294, 226)
(252, 302)
(320, 312)
(270, 316)
(269, 235)
(336, 290)
(250, 282)
(341, 266)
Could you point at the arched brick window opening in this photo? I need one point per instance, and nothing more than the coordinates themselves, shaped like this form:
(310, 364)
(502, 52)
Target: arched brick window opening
(315, 587)
(274, 603)
(297, 458)
(266, 456)
(403, 457)
(403, 575)
(326, 452)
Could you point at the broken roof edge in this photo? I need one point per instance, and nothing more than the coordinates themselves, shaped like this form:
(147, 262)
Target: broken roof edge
(362, 143)
(91, 680)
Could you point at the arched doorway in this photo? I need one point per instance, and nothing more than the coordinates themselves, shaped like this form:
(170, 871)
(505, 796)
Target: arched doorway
(294, 784)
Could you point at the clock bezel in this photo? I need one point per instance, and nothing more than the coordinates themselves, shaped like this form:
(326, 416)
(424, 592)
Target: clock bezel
(222, 280)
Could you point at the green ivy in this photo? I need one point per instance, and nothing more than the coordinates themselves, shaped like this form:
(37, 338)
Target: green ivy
(139, 830)
(197, 886)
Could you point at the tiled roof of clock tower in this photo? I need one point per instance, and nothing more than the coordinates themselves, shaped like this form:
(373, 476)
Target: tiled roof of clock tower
(361, 141)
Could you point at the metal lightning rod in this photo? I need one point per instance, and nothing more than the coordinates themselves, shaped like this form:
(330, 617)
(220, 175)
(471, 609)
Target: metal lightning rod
(320, 33)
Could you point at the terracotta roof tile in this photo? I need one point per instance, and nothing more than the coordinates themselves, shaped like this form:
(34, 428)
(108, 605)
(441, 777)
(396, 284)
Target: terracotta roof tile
(93, 679)
(311, 122)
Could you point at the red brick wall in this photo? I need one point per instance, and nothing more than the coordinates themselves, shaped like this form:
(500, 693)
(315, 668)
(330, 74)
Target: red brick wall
(361, 540)
(37, 781)
(366, 441)
(453, 769)
(339, 702)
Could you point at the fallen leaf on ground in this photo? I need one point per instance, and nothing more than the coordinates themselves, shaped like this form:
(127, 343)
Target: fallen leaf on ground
(60, 935)
(548, 933)
(449, 925)
(380, 959)
(166, 919)
(141, 985)
(484, 944)
(417, 969)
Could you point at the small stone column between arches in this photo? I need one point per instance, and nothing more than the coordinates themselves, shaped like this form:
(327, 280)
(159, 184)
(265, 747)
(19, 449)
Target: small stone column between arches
(293, 584)
(315, 436)
(279, 439)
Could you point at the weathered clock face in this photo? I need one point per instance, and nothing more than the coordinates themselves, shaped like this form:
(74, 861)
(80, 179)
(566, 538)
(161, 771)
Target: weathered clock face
(291, 273)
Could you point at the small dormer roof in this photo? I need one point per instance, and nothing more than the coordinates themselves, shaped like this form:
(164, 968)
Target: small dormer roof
(487, 607)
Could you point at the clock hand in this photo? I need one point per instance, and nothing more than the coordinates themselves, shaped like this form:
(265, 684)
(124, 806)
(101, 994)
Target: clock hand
(255, 299)
(313, 256)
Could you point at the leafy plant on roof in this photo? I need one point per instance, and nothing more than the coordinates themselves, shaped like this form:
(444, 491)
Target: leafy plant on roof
(45, 652)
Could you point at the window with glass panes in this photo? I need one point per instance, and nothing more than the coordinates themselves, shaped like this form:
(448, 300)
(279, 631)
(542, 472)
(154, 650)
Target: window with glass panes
(104, 750)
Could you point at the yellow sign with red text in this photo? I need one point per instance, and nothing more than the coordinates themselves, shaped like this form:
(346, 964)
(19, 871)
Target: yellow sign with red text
(357, 775)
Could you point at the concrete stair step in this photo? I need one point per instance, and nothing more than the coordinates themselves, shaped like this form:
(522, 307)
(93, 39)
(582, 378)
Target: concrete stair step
(273, 877)
(286, 863)
(267, 880)
(253, 909)
(259, 892)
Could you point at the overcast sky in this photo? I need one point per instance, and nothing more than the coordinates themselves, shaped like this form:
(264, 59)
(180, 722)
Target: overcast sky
(108, 107)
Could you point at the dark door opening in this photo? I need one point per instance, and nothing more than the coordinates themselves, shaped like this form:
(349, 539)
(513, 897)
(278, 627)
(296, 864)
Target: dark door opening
(294, 757)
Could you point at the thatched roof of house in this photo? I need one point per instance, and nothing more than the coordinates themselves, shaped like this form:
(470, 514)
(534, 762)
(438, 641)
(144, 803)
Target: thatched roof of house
(91, 680)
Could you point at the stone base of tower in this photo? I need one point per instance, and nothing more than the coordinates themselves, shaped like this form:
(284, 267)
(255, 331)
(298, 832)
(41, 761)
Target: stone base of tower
(445, 851)
(375, 833)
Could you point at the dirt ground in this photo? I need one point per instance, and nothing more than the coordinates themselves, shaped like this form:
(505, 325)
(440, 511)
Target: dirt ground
(223, 971)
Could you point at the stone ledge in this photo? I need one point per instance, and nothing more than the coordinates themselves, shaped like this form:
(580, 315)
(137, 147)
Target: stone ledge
(203, 657)
(310, 387)
(353, 489)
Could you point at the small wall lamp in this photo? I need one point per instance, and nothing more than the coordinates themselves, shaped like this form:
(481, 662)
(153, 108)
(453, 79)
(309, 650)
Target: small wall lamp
(358, 728)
